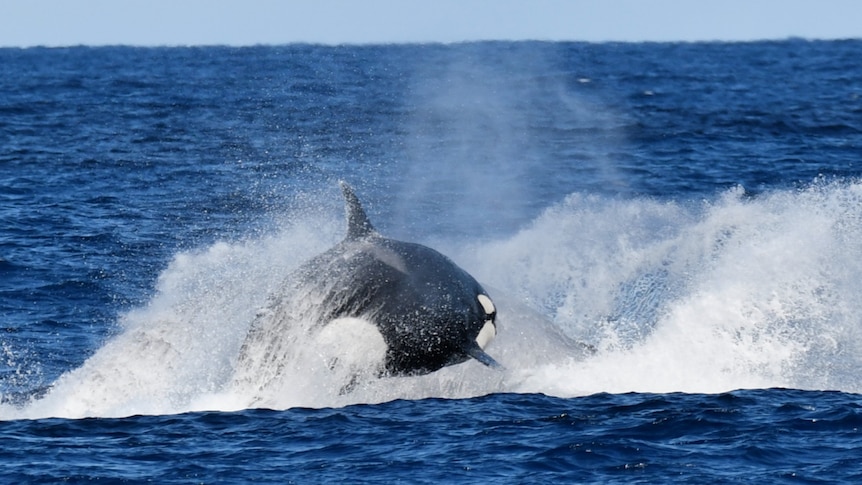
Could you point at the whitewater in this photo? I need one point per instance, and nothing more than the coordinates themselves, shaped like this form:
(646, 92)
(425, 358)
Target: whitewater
(697, 297)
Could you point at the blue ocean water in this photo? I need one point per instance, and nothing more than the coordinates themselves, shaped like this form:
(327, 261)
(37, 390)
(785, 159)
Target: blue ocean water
(693, 211)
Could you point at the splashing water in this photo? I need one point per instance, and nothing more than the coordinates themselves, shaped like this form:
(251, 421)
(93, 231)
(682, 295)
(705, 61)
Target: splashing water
(735, 294)
(732, 293)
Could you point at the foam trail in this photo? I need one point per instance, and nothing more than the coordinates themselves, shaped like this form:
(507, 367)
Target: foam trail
(732, 293)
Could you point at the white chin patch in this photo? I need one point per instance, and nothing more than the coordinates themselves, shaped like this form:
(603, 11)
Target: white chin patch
(488, 332)
(487, 304)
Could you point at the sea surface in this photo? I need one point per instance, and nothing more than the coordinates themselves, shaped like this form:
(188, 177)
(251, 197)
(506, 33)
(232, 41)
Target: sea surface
(691, 211)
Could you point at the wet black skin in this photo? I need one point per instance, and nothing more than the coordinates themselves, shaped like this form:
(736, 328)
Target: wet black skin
(424, 305)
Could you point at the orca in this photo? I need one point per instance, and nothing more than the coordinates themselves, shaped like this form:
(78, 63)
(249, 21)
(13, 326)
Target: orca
(429, 312)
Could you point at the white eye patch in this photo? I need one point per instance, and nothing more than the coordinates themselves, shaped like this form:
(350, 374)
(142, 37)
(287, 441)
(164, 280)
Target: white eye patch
(489, 330)
(487, 304)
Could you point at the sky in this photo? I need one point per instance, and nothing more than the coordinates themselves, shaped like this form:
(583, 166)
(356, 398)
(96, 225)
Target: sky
(25, 23)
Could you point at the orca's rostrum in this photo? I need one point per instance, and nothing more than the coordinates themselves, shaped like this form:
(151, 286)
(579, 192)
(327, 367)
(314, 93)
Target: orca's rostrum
(429, 312)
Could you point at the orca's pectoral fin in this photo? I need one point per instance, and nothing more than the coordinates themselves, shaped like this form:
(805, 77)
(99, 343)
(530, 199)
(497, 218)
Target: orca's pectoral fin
(477, 353)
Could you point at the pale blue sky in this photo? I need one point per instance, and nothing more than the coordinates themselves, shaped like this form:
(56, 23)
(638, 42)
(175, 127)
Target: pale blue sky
(248, 22)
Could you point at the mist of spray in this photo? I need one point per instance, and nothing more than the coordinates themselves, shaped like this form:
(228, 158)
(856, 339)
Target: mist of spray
(487, 138)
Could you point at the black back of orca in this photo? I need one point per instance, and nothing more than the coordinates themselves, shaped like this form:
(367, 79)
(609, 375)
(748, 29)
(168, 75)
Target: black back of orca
(430, 312)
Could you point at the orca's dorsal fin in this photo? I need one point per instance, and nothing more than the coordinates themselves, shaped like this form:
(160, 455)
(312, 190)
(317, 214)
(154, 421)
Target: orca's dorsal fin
(358, 225)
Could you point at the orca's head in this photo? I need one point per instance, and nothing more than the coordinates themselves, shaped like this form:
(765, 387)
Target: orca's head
(487, 332)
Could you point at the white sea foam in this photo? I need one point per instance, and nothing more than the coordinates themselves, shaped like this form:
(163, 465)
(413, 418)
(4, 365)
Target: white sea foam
(732, 293)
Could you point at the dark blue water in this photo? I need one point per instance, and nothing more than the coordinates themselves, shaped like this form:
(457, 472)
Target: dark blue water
(693, 211)
(765, 436)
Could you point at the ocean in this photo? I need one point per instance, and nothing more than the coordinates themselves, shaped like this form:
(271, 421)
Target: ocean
(690, 211)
